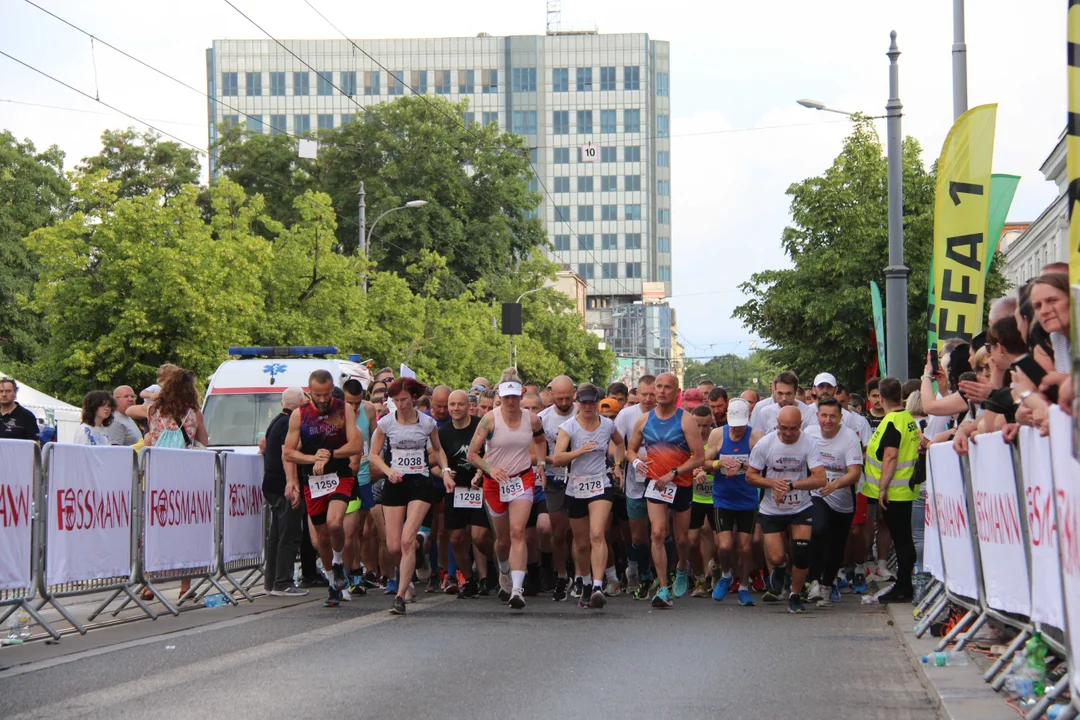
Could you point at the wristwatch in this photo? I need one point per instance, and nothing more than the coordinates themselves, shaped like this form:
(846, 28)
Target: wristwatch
(1025, 395)
(790, 485)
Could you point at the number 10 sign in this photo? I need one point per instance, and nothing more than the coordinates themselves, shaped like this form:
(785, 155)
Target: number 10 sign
(589, 153)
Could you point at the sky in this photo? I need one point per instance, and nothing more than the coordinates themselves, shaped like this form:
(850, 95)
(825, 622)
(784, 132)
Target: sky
(738, 137)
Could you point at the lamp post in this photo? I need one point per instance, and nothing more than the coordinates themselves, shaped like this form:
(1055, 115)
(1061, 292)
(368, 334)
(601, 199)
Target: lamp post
(513, 362)
(896, 274)
(367, 239)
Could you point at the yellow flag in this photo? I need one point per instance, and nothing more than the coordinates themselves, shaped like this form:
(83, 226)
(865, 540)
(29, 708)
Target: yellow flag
(961, 204)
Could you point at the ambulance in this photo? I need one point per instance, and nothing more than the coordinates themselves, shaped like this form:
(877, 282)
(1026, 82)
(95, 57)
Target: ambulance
(244, 393)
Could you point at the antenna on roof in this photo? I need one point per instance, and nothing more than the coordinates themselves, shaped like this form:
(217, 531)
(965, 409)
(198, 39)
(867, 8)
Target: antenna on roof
(554, 16)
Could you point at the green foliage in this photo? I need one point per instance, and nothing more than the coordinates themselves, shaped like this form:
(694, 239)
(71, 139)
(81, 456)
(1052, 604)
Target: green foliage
(733, 372)
(143, 163)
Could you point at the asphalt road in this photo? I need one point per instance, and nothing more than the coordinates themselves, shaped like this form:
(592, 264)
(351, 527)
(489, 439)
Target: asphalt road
(477, 658)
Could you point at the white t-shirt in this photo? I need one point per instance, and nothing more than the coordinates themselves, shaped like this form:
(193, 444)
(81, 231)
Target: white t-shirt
(551, 420)
(767, 419)
(408, 443)
(836, 455)
(91, 435)
(595, 462)
(775, 459)
(624, 423)
(852, 421)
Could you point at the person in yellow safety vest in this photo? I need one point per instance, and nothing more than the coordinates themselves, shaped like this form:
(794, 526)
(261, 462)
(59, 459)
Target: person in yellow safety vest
(890, 469)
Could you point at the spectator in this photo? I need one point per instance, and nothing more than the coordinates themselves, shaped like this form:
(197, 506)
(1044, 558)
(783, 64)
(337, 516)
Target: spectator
(123, 430)
(16, 422)
(1050, 301)
(141, 412)
(283, 540)
(174, 418)
(386, 375)
(97, 416)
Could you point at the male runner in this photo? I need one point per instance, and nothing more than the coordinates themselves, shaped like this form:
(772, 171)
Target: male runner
(639, 562)
(538, 530)
(360, 507)
(718, 403)
(463, 508)
(785, 386)
(619, 392)
(562, 409)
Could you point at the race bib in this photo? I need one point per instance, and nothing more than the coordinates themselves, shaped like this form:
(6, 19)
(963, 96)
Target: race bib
(793, 498)
(511, 489)
(319, 485)
(704, 487)
(667, 495)
(410, 462)
(467, 497)
(586, 487)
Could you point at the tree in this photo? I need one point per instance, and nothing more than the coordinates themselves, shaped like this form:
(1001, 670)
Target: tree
(816, 316)
(33, 194)
(734, 372)
(143, 163)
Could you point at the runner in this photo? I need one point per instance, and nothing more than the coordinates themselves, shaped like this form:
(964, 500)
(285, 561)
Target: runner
(508, 482)
(487, 401)
(703, 544)
(408, 492)
(667, 446)
(360, 507)
(618, 392)
(718, 403)
(639, 577)
(321, 440)
(785, 385)
(734, 501)
(583, 444)
(538, 531)
(785, 455)
(561, 410)
(464, 506)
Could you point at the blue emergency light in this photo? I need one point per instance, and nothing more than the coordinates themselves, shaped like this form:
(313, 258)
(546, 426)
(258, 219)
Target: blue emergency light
(320, 351)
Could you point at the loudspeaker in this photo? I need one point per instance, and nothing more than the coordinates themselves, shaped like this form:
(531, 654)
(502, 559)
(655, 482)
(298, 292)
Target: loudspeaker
(511, 318)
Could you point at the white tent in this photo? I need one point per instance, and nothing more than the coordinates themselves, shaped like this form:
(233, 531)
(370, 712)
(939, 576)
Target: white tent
(67, 417)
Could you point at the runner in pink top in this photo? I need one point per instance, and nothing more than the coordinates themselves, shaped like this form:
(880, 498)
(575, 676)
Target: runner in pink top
(508, 482)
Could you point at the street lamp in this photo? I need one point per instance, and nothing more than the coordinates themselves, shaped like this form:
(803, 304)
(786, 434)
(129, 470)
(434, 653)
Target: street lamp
(513, 360)
(896, 274)
(411, 204)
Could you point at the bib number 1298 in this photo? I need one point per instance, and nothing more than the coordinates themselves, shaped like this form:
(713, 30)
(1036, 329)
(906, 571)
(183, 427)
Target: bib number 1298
(465, 497)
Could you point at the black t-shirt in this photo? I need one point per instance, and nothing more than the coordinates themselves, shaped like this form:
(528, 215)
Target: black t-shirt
(873, 419)
(1001, 401)
(273, 466)
(19, 424)
(890, 438)
(456, 444)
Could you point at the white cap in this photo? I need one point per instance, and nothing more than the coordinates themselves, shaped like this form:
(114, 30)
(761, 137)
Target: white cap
(825, 379)
(509, 388)
(738, 413)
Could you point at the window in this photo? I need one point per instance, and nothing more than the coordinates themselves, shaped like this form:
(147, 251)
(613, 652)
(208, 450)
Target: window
(230, 85)
(561, 156)
(562, 243)
(662, 126)
(608, 154)
(301, 83)
(631, 78)
(633, 241)
(607, 122)
(633, 270)
(560, 122)
(584, 79)
(663, 187)
(561, 184)
(632, 153)
(584, 122)
(608, 183)
(419, 81)
(301, 124)
(584, 242)
(607, 78)
(468, 118)
(395, 83)
(534, 184)
(277, 125)
(523, 79)
(346, 119)
(609, 212)
(663, 273)
(631, 121)
(663, 244)
(325, 84)
(348, 83)
(491, 118)
(560, 80)
(253, 84)
(442, 83)
(230, 120)
(585, 213)
(277, 84)
(662, 84)
(466, 80)
(326, 122)
(490, 80)
(584, 184)
(562, 213)
(663, 216)
(371, 82)
(255, 124)
(587, 271)
(609, 241)
(663, 158)
(609, 271)
(632, 183)
(633, 212)
(523, 122)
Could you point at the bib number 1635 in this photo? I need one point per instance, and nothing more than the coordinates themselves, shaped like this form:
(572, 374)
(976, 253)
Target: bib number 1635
(511, 489)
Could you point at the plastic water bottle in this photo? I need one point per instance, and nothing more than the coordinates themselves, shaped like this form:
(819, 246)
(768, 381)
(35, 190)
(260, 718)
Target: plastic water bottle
(946, 659)
(1023, 682)
(1036, 649)
(1054, 711)
(24, 624)
(214, 600)
(14, 629)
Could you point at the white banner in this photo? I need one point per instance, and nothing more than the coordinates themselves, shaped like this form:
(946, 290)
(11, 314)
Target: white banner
(179, 512)
(997, 520)
(931, 542)
(1067, 485)
(16, 507)
(953, 523)
(243, 527)
(1042, 525)
(89, 513)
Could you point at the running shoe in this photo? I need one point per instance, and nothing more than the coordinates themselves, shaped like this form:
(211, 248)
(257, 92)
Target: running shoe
(410, 593)
(776, 579)
(577, 589)
(642, 592)
(340, 580)
(358, 589)
(315, 582)
(423, 565)
(516, 601)
(795, 604)
(770, 595)
(842, 583)
(884, 572)
(398, 608)
(744, 598)
(597, 599)
(611, 588)
(333, 598)
(450, 584)
(735, 585)
(559, 594)
(485, 591)
(371, 581)
(435, 582)
(531, 587)
(356, 579)
(757, 581)
(290, 591)
(815, 592)
(826, 603)
(547, 580)
(633, 578)
(723, 585)
(699, 588)
(469, 591)
(662, 599)
(345, 596)
(834, 594)
(682, 582)
(506, 587)
(391, 587)
(860, 584)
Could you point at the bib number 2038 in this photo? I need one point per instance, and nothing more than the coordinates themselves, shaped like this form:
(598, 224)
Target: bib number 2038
(409, 462)
(511, 489)
(468, 498)
(666, 495)
(320, 485)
